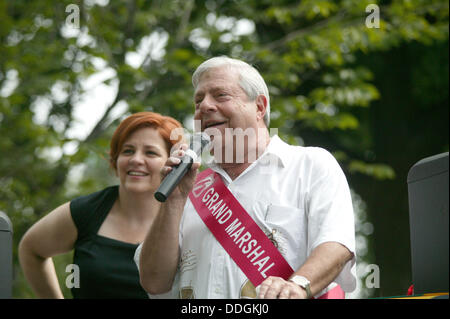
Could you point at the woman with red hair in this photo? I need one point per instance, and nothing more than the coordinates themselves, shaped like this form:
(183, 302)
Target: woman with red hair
(105, 228)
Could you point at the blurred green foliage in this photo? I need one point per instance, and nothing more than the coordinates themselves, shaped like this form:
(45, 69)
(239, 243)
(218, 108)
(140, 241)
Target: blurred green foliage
(316, 57)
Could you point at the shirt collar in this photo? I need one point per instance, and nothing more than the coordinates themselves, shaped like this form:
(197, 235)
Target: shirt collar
(277, 149)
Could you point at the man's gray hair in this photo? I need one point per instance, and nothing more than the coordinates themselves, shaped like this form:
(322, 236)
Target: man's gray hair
(250, 80)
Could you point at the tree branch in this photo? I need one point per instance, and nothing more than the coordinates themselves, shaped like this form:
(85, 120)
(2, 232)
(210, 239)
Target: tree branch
(181, 34)
(100, 127)
(298, 33)
(351, 20)
(184, 23)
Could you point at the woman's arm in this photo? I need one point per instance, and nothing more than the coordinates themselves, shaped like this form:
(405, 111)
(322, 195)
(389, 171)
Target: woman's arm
(54, 234)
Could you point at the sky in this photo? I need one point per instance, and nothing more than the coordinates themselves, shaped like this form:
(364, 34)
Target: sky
(98, 95)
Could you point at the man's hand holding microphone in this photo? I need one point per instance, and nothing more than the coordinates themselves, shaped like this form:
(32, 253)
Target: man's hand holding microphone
(181, 162)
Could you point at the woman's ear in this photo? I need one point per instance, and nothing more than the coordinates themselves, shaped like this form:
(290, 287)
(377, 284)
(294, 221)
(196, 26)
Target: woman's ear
(113, 167)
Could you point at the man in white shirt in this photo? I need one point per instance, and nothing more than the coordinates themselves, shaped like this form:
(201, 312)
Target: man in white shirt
(298, 196)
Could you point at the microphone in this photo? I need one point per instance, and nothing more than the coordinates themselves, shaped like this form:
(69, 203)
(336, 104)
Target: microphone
(198, 142)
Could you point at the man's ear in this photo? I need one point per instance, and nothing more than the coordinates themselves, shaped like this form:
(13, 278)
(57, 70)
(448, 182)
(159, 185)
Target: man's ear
(261, 105)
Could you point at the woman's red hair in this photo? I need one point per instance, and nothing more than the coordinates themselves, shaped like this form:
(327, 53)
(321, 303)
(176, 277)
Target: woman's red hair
(164, 125)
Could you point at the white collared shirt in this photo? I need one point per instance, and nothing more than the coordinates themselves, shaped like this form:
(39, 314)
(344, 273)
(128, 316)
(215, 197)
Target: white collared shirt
(298, 194)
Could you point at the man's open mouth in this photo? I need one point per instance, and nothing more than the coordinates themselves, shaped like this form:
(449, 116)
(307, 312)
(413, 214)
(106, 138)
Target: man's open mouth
(213, 124)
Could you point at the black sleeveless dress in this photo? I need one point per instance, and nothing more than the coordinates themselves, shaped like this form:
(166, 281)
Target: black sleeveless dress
(106, 265)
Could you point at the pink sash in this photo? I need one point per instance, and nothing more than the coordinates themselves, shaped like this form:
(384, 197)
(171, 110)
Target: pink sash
(236, 231)
(334, 293)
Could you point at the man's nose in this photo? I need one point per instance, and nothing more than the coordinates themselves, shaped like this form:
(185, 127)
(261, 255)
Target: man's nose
(207, 105)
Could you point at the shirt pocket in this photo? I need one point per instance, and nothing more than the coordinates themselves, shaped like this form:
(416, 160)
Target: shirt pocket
(287, 227)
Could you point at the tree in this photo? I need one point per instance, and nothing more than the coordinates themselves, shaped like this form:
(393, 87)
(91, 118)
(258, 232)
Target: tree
(409, 123)
(146, 52)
